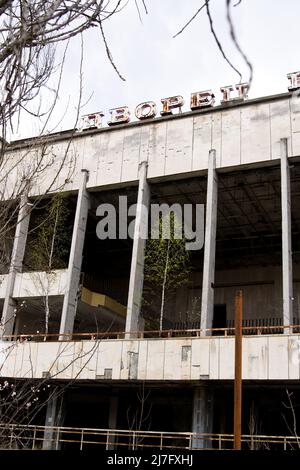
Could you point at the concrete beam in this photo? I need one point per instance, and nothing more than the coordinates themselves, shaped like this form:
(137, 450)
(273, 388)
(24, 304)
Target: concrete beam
(287, 263)
(75, 259)
(202, 417)
(207, 302)
(17, 257)
(133, 320)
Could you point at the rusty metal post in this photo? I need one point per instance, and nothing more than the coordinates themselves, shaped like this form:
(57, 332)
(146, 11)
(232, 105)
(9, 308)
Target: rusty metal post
(238, 371)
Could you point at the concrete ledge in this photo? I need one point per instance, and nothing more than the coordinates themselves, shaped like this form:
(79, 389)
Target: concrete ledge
(265, 357)
(36, 284)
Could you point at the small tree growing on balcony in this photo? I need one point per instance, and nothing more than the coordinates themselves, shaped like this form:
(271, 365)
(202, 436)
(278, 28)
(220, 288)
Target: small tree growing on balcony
(49, 246)
(167, 264)
(50, 240)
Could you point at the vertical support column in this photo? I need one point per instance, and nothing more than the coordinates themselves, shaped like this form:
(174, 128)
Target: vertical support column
(207, 302)
(54, 418)
(75, 259)
(112, 420)
(287, 264)
(133, 320)
(238, 331)
(8, 312)
(202, 417)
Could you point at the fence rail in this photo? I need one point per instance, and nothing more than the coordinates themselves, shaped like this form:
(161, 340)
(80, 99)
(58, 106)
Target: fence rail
(36, 437)
(248, 330)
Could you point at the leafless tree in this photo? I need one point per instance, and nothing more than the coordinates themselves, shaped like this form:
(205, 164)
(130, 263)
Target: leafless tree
(291, 420)
(21, 400)
(32, 31)
(139, 416)
(255, 427)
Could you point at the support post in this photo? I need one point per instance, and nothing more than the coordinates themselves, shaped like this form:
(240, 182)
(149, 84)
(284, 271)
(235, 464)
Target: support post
(75, 260)
(237, 431)
(112, 420)
(287, 263)
(207, 302)
(17, 257)
(202, 418)
(54, 418)
(133, 319)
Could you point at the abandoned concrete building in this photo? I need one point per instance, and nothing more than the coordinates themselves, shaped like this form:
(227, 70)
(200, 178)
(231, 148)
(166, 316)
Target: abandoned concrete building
(75, 326)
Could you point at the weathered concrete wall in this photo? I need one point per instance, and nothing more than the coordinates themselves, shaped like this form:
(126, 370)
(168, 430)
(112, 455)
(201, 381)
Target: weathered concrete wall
(208, 358)
(36, 284)
(241, 134)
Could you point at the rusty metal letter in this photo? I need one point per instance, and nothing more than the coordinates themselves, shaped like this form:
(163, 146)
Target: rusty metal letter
(294, 79)
(226, 90)
(119, 116)
(171, 103)
(146, 110)
(91, 121)
(202, 99)
(242, 89)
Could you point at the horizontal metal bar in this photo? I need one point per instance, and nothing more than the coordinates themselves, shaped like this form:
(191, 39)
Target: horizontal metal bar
(143, 334)
(15, 432)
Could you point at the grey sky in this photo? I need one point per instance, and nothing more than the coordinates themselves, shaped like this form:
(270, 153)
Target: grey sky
(157, 66)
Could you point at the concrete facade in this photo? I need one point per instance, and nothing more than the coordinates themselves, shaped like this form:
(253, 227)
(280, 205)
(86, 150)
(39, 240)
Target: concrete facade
(182, 151)
(241, 134)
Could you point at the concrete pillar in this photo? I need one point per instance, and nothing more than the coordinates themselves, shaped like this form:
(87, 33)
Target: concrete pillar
(202, 417)
(287, 264)
(207, 302)
(133, 320)
(54, 417)
(75, 259)
(9, 307)
(112, 420)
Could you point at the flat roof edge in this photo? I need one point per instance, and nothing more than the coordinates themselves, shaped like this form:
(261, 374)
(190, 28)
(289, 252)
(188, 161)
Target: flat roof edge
(73, 134)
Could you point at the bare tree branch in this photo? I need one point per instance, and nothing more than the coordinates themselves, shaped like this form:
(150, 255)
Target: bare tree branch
(218, 41)
(192, 19)
(234, 39)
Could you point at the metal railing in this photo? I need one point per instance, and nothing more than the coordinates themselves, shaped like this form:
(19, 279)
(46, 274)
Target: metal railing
(150, 334)
(16, 436)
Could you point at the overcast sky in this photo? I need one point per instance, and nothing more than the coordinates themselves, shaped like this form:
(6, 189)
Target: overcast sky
(157, 66)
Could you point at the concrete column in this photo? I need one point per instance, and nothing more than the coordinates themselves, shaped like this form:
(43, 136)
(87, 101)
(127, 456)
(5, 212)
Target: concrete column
(9, 307)
(133, 319)
(75, 259)
(54, 417)
(287, 264)
(207, 302)
(202, 417)
(112, 419)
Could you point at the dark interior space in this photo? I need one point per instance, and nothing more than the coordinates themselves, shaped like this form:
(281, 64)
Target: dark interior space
(106, 262)
(139, 408)
(219, 318)
(249, 218)
(266, 410)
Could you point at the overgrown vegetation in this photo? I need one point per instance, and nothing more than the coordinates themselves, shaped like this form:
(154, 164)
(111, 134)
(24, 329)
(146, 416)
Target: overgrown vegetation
(49, 242)
(167, 267)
